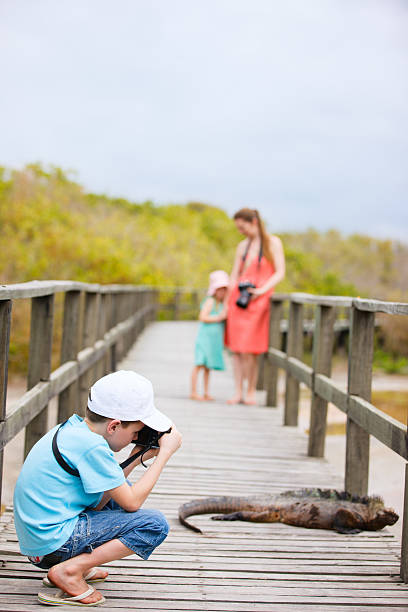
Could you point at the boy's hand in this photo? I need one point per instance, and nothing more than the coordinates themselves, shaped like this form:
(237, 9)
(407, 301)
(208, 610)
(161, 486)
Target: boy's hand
(170, 442)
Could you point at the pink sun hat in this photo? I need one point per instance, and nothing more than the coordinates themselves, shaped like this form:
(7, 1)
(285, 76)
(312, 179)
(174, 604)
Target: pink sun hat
(218, 279)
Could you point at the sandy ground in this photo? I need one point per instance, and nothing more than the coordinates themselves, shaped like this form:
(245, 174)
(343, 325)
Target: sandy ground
(386, 467)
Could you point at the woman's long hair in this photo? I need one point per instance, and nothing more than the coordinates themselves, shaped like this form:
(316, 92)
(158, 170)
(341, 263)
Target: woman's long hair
(249, 214)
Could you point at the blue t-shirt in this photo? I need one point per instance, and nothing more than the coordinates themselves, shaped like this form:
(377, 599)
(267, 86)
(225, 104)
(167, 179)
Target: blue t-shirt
(48, 500)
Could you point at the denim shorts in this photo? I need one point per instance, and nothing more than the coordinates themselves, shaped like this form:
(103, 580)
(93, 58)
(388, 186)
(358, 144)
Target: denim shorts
(141, 531)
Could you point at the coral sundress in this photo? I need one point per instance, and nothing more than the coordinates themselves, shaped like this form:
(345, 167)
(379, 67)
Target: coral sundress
(247, 329)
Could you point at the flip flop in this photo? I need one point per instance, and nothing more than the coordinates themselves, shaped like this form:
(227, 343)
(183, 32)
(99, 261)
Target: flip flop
(47, 582)
(59, 600)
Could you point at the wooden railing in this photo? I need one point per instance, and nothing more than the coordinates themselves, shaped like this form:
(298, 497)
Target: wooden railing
(99, 325)
(363, 419)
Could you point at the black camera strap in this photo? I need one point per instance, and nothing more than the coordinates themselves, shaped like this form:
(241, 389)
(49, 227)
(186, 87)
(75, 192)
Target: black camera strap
(245, 255)
(59, 458)
(73, 471)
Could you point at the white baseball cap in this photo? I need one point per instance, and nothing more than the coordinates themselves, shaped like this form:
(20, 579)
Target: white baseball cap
(127, 396)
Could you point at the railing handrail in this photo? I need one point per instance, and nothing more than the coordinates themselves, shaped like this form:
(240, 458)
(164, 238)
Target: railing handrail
(35, 288)
(363, 418)
(369, 305)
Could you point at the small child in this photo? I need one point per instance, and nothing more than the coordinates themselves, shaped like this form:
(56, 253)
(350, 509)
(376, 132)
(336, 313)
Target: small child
(210, 339)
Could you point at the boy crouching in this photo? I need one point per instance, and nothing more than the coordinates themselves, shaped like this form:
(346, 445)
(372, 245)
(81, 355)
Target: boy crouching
(74, 509)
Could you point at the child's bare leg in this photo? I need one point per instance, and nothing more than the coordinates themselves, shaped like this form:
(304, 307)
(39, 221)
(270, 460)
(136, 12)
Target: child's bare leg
(194, 376)
(207, 396)
(69, 575)
(238, 365)
(252, 375)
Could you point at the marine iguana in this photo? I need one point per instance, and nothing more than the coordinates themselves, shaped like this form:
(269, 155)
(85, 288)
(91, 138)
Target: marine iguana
(312, 508)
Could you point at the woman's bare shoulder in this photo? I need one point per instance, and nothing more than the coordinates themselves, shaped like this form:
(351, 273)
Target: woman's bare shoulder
(242, 246)
(274, 240)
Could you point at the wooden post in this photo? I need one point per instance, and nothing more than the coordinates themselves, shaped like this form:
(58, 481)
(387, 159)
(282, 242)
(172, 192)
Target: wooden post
(89, 336)
(5, 323)
(195, 303)
(275, 338)
(359, 383)
(39, 361)
(176, 311)
(323, 339)
(68, 401)
(404, 540)
(261, 371)
(294, 349)
(102, 329)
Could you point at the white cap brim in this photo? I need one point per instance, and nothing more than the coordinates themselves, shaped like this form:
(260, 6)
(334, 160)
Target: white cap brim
(157, 420)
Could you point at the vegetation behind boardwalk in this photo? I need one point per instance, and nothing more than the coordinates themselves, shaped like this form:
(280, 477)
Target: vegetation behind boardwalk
(51, 228)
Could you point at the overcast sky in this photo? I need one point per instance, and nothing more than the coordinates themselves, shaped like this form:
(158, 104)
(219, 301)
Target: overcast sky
(296, 107)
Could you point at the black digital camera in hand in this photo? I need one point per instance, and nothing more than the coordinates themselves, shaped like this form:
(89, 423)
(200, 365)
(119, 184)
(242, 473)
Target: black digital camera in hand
(244, 295)
(149, 438)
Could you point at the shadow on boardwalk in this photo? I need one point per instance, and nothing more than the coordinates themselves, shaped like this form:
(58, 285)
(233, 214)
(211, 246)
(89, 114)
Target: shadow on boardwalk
(233, 450)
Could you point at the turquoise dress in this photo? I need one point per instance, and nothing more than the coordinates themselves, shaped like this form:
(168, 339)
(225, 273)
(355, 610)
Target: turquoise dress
(210, 342)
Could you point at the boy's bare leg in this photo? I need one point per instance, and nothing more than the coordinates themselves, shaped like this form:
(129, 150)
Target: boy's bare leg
(252, 375)
(69, 575)
(207, 396)
(194, 376)
(238, 367)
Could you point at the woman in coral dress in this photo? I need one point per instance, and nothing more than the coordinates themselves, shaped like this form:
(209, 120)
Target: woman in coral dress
(259, 260)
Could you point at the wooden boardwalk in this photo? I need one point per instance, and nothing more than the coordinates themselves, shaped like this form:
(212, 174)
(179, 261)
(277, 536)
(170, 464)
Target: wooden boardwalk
(235, 566)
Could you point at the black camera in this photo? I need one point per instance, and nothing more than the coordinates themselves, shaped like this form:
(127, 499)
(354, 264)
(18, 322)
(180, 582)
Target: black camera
(149, 438)
(244, 295)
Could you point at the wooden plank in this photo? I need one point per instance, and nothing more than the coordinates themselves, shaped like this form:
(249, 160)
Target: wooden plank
(404, 547)
(323, 339)
(331, 392)
(359, 383)
(68, 400)
(271, 369)
(5, 323)
(400, 308)
(39, 362)
(33, 289)
(387, 430)
(294, 349)
(321, 300)
(300, 371)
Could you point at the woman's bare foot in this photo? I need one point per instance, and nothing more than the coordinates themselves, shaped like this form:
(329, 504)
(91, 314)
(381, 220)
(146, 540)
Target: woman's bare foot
(195, 396)
(208, 398)
(236, 399)
(69, 578)
(250, 399)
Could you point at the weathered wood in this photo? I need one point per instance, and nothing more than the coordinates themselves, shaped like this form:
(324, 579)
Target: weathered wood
(34, 400)
(176, 305)
(5, 324)
(68, 400)
(271, 369)
(234, 566)
(261, 372)
(39, 361)
(359, 383)
(400, 308)
(323, 339)
(331, 392)
(294, 349)
(89, 338)
(404, 540)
